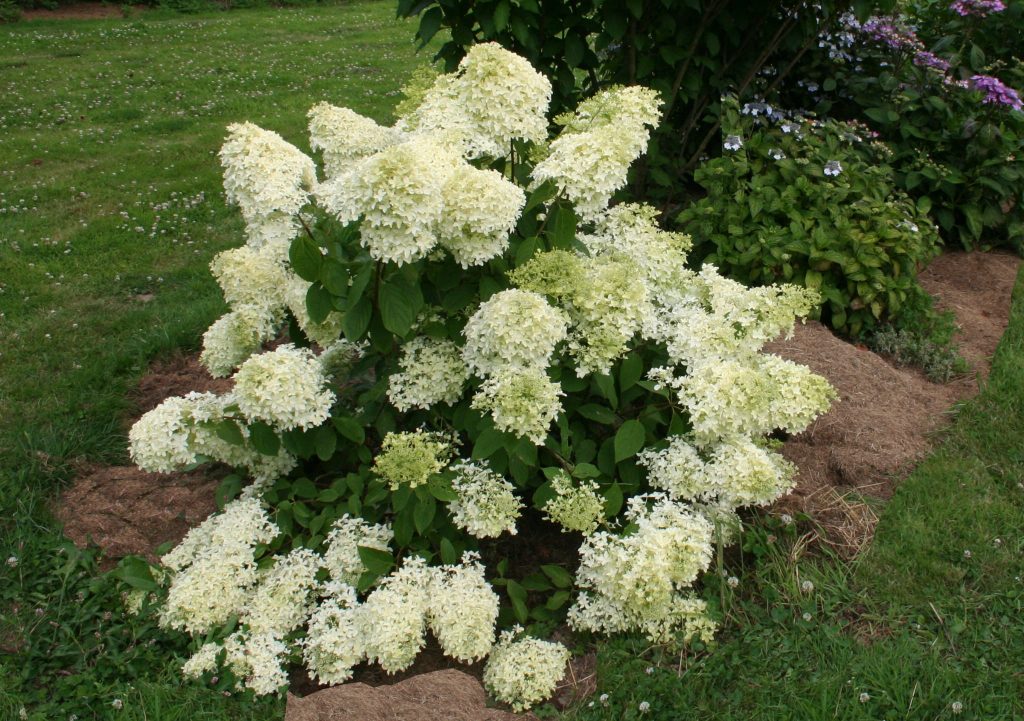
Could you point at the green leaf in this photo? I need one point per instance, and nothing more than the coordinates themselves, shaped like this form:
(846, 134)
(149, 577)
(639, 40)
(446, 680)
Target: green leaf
(375, 560)
(536, 582)
(227, 489)
(136, 573)
(424, 514)
(562, 227)
(430, 23)
(326, 442)
(542, 194)
(448, 553)
(441, 489)
(349, 428)
(631, 371)
(264, 439)
(357, 320)
(585, 470)
(558, 575)
(488, 443)
(924, 204)
(319, 303)
(305, 488)
(501, 13)
(629, 439)
(305, 258)
(517, 594)
(600, 414)
(395, 309)
(613, 500)
(557, 600)
(229, 432)
(334, 277)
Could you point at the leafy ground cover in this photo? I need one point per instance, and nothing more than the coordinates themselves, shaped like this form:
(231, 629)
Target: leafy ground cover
(110, 210)
(925, 625)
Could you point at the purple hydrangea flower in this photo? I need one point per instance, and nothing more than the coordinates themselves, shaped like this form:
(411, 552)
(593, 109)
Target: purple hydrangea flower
(889, 31)
(978, 8)
(996, 92)
(733, 142)
(925, 59)
(833, 168)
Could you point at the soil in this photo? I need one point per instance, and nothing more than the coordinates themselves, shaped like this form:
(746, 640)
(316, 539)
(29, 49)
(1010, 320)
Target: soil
(853, 457)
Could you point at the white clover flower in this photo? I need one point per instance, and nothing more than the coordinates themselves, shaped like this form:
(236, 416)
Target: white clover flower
(807, 586)
(257, 660)
(214, 568)
(487, 505)
(481, 208)
(342, 555)
(513, 328)
(411, 458)
(524, 672)
(463, 610)
(12, 561)
(493, 98)
(864, 697)
(285, 388)
(333, 645)
(234, 337)
(833, 168)
(575, 508)
(393, 619)
(398, 194)
(521, 402)
(269, 179)
(732, 582)
(956, 708)
(590, 158)
(745, 473)
(280, 602)
(323, 333)
(644, 706)
(733, 142)
(677, 469)
(432, 371)
(345, 136)
(251, 277)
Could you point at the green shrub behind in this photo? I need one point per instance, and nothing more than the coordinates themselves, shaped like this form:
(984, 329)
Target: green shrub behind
(812, 203)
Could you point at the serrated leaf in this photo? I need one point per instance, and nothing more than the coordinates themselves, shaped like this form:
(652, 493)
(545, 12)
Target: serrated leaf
(629, 439)
(264, 438)
(305, 258)
(558, 575)
(319, 303)
(375, 560)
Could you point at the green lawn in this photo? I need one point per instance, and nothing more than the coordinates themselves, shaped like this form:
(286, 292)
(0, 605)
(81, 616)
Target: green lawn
(111, 208)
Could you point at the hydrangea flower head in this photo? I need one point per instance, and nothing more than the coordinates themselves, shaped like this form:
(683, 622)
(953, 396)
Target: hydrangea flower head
(285, 388)
(524, 671)
(410, 459)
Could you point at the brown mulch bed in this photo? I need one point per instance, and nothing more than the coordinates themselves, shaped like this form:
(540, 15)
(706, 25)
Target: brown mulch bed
(855, 455)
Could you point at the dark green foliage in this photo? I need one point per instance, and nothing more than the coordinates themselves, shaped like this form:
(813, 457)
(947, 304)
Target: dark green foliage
(691, 51)
(853, 237)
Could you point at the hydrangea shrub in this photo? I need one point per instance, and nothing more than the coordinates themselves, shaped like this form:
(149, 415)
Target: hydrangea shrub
(479, 345)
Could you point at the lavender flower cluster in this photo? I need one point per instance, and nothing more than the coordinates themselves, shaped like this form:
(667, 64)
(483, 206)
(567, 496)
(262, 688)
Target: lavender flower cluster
(996, 91)
(978, 8)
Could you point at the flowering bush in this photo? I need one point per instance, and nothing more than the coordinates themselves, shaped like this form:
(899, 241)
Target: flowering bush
(941, 89)
(479, 344)
(814, 203)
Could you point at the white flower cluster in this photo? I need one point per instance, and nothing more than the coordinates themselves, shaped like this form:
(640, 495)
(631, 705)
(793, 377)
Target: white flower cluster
(487, 505)
(522, 671)
(269, 179)
(285, 388)
(323, 333)
(590, 158)
(342, 555)
(432, 371)
(463, 610)
(213, 568)
(493, 98)
(575, 508)
(344, 136)
(639, 582)
(480, 209)
(410, 459)
(333, 645)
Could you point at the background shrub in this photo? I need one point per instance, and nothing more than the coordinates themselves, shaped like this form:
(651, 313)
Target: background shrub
(815, 203)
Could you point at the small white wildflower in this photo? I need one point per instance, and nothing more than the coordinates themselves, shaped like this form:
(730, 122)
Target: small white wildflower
(833, 168)
(786, 519)
(649, 670)
(733, 142)
(807, 586)
(997, 543)
(732, 582)
(776, 154)
(956, 707)
(807, 616)
(645, 706)
(864, 697)
(117, 704)
(12, 561)
(967, 553)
